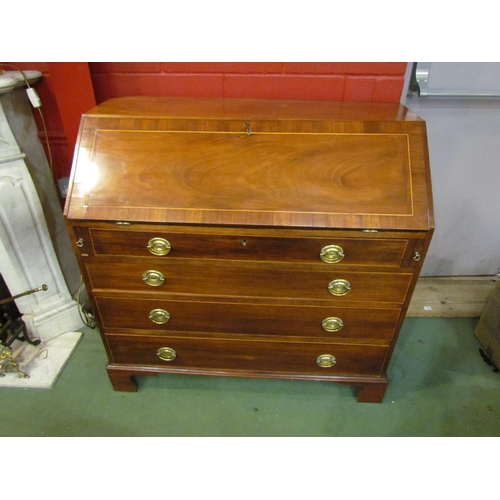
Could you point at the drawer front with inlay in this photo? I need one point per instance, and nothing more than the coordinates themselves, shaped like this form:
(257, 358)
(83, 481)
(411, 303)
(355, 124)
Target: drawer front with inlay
(248, 279)
(248, 356)
(232, 318)
(171, 245)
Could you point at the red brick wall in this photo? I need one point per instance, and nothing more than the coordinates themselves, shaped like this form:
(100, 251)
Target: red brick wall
(372, 81)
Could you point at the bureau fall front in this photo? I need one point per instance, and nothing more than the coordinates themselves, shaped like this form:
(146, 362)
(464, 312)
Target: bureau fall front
(252, 238)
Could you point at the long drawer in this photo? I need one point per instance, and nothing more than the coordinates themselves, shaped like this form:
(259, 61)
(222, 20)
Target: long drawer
(160, 316)
(171, 245)
(248, 356)
(189, 276)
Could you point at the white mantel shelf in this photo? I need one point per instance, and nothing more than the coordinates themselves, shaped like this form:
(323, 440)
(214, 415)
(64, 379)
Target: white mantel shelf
(9, 80)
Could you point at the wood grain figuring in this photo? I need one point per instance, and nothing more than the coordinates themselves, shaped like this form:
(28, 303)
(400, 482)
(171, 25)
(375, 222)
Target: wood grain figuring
(246, 246)
(248, 193)
(252, 356)
(226, 278)
(285, 173)
(324, 171)
(263, 109)
(247, 319)
(451, 296)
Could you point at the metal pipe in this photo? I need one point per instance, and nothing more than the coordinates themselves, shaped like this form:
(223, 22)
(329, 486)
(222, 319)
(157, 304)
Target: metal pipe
(29, 292)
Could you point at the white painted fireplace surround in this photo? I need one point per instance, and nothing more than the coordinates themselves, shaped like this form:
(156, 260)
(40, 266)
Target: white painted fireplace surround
(27, 256)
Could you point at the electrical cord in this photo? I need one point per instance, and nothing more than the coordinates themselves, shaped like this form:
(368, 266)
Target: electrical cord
(39, 111)
(86, 316)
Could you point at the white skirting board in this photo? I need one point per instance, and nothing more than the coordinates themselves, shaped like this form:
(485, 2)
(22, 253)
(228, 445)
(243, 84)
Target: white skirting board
(43, 363)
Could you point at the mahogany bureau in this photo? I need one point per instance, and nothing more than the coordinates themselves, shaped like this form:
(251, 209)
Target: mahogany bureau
(252, 238)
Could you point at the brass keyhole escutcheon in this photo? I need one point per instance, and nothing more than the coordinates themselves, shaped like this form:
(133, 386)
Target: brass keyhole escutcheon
(339, 287)
(331, 254)
(159, 316)
(332, 324)
(326, 361)
(153, 278)
(166, 353)
(159, 246)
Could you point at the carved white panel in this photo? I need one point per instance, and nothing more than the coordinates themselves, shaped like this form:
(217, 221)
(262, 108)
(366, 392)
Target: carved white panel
(27, 256)
(8, 145)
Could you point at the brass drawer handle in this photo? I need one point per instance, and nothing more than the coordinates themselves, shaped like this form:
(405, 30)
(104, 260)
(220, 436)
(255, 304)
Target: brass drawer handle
(326, 361)
(166, 353)
(331, 254)
(332, 324)
(159, 316)
(159, 246)
(339, 287)
(153, 278)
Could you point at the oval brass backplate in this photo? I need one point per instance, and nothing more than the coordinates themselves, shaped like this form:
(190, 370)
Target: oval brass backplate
(331, 254)
(166, 353)
(339, 287)
(159, 246)
(153, 278)
(159, 316)
(332, 324)
(326, 360)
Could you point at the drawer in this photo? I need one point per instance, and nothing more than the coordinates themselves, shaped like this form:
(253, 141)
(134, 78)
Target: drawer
(248, 356)
(172, 245)
(223, 278)
(232, 318)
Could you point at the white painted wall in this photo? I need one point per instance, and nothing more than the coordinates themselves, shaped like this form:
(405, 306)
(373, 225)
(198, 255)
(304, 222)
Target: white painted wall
(464, 150)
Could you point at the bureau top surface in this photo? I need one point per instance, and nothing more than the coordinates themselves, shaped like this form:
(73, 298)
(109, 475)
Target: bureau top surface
(252, 162)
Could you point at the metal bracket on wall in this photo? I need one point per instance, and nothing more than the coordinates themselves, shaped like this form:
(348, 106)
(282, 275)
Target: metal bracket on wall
(419, 82)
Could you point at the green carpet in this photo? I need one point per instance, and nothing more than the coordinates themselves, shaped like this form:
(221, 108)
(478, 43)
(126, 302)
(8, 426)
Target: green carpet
(439, 386)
